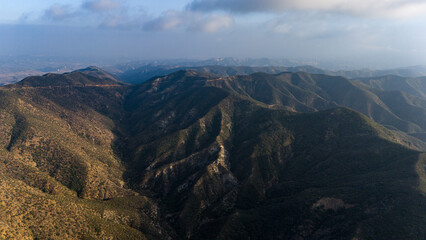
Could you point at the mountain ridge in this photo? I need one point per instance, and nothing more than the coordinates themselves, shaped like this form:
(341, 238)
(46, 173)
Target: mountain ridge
(199, 156)
(91, 76)
(139, 73)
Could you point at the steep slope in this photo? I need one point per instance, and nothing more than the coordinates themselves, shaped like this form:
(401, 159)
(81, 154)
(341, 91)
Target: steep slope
(144, 73)
(57, 153)
(412, 86)
(91, 76)
(408, 72)
(303, 92)
(228, 167)
(197, 156)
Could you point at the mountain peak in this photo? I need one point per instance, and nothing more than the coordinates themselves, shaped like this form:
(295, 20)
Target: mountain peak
(90, 76)
(91, 69)
(192, 73)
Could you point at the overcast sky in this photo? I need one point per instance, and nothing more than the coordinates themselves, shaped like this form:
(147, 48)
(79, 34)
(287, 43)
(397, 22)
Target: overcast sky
(371, 33)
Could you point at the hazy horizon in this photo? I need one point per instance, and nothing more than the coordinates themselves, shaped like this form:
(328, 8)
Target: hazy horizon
(383, 34)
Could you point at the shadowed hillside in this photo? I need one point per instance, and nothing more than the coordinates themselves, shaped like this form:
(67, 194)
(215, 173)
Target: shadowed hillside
(234, 167)
(412, 86)
(144, 73)
(138, 73)
(61, 175)
(302, 92)
(194, 155)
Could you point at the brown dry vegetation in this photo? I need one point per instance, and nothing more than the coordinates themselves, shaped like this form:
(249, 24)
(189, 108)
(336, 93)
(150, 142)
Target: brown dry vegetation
(58, 170)
(191, 155)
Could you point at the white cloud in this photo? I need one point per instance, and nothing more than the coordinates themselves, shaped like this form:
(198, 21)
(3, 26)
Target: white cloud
(368, 8)
(318, 26)
(113, 21)
(122, 20)
(101, 5)
(58, 12)
(212, 23)
(103, 13)
(169, 20)
(278, 26)
(189, 21)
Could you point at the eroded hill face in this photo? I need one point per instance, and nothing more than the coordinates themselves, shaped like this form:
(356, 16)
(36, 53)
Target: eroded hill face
(198, 156)
(412, 86)
(243, 160)
(58, 161)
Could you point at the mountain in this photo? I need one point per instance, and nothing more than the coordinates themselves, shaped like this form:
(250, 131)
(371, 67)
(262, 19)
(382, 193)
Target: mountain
(198, 156)
(60, 174)
(407, 72)
(91, 76)
(147, 72)
(16, 68)
(410, 72)
(302, 92)
(412, 86)
(138, 74)
(244, 170)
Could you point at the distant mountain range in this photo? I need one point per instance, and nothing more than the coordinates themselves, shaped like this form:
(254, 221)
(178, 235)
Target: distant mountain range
(137, 74)
(212, 153)
(14, 69)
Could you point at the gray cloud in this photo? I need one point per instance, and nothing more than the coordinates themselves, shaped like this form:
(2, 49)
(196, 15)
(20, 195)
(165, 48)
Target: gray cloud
(58, 12)
(101, 5)
(212, 23)
(189, 21)
(103, 13)
(122, 20)
(320, 26)
(376, 8)
(169, 20)
(115, 21)
(278, 25)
